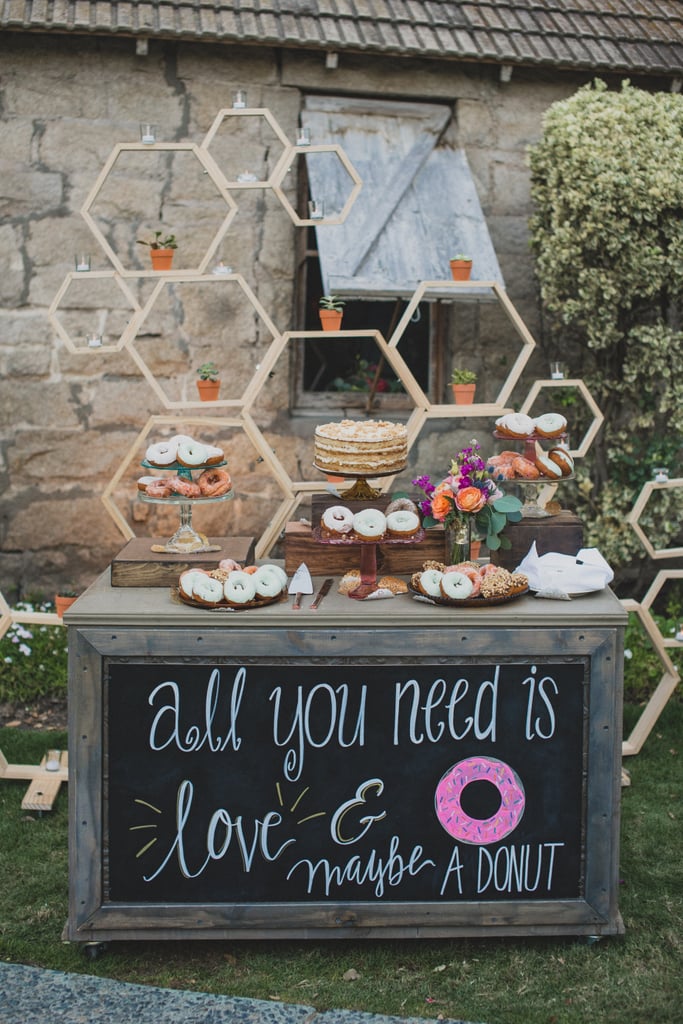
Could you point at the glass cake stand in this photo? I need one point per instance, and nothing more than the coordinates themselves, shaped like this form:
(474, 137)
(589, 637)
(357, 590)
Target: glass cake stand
(531, 489)
(185, 539)
(368, 557)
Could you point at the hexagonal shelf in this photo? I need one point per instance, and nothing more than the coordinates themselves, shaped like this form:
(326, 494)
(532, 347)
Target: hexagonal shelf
(237, 141)
(577, 385)
(147, 175)
(636, 512)
(171, 345)
(488, 291)
(342, 203)
(667, 684)
(88, 305)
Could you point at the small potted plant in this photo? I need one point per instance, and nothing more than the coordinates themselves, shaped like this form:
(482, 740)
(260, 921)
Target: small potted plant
(331, 312)
(208, 384)
(461, 267)
(160, 250)
(464, 384)
(64, 599)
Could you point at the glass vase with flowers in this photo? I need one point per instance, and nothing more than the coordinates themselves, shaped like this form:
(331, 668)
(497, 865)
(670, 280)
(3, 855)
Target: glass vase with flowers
(468, 502)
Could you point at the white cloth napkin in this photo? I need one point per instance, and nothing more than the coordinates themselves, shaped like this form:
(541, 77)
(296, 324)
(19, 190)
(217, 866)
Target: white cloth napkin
(560, 576)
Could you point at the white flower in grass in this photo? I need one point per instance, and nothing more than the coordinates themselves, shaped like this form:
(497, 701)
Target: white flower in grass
(628, 653)
(24, 649)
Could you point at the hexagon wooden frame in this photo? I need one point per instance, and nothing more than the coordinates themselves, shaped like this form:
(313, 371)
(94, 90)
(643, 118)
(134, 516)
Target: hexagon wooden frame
(636, 512)
(80, 276)
(283, 168)
(578, 385)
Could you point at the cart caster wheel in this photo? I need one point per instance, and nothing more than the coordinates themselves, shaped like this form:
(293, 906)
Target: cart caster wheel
(94, 950)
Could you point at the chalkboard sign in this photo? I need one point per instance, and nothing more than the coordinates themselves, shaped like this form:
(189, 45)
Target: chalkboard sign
(282, 782)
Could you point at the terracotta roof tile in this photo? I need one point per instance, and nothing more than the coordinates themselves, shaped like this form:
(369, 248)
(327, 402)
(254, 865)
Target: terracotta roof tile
(620, 35)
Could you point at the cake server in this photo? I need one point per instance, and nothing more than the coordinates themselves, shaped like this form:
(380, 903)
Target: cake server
(301, 583)
(321, 593)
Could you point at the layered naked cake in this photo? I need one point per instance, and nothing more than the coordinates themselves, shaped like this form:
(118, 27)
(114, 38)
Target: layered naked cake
(363, 447)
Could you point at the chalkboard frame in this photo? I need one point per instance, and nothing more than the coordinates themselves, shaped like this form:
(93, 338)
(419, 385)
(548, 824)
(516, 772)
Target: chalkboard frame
(92, 917)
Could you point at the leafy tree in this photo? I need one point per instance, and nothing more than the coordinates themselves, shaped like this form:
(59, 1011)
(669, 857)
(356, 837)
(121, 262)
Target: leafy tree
(607, 234)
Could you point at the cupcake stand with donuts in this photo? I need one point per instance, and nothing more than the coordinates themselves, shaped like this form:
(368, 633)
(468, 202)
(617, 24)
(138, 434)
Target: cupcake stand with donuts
(186, 539)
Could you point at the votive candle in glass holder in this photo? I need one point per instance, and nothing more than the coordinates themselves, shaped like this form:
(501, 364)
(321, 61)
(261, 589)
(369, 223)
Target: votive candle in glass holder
(148, 134)
(316, 209)
(557, 371)
(221, 268)
(304, 137)
(247, 176)
(239, 100)
(94, 341)
(679, 634)
(82, 261)
(660, 474)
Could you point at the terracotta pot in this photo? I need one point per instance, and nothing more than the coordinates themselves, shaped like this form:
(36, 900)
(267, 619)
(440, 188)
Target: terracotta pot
(330, 319)
(461, 269)
(464, 393)
(208, 390)
(62, 603)
(162, 259)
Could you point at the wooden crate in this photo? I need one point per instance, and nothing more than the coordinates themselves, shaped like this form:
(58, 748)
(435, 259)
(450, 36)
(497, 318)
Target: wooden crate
(562, 533)
(332, 559)
(136, 565)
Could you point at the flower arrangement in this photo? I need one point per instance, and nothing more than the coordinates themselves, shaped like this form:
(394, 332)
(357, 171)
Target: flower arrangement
(469, 498)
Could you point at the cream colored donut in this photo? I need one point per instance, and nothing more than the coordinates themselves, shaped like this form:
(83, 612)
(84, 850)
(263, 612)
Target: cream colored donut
(456, 586)
(207, 589)
(338, 519)
(515, 424)
(191, 454)
(267, 582)
(550, 424)
(403, 523)
(163, 453)
(187, 580)
(430, 582)
(564, 460)
(239, 588)
(370, 524)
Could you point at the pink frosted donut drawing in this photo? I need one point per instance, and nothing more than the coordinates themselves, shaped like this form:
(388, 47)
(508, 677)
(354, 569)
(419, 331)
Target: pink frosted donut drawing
(475, 830)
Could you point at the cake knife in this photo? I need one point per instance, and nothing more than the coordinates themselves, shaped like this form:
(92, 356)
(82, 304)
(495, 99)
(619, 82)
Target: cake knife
(321, 593)
(301, 584)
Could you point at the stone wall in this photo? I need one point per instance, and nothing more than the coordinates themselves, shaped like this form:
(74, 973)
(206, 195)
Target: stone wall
(68, 420)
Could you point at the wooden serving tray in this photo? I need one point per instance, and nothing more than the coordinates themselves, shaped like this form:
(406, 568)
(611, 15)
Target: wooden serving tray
(136, 565)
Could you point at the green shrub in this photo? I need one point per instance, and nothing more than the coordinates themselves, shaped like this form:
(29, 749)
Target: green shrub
(607, 235)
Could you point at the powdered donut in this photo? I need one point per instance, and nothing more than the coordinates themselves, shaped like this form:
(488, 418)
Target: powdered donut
(206, 589)
(479, 831)
(191, 454)
(337, 520)
(369, 524)
(213, 483)
(456, 586)
(239, 588)
(403, 523)
(550, 424)
(430, 582)
(515, 424)
(400, 505)
(267, 582)
(186, 488)
(163, 454)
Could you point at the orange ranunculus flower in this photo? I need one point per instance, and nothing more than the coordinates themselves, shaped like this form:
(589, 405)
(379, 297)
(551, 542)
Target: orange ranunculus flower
(470, 499)
(441, 505)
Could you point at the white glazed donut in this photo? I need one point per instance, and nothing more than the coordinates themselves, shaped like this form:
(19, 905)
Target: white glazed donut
(187, 580)
(214, 454)
(550, 424)
(163, 453)
(267, 582)
(191, 454)
(564, 460)
(456, 586)
(338, 519)
(403, 523)
(207, 589)
(144, 481)
(279, 572)
(515, 424)
(545, 465)
(369, 524)
(430, 582)
(239, 588)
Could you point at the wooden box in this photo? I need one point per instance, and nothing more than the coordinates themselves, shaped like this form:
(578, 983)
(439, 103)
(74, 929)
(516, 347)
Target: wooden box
(136, 565)
(562, 533)
(333, 559)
